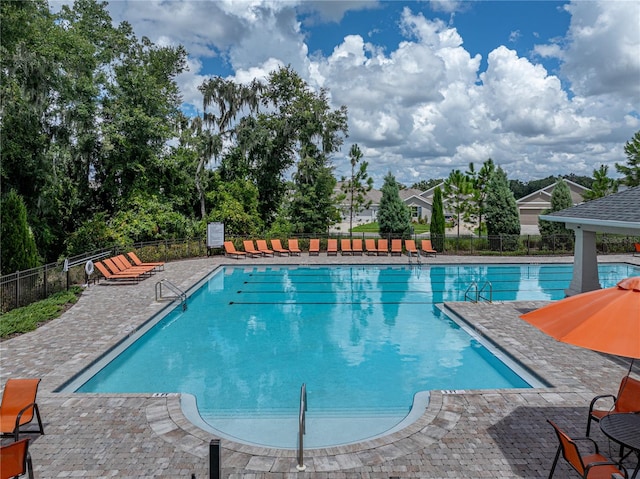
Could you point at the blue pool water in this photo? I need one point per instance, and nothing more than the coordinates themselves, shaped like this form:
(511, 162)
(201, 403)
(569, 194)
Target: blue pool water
(364, 339)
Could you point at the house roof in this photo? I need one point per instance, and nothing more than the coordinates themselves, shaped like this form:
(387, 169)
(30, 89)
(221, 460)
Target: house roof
(547, 191)
(620, 210)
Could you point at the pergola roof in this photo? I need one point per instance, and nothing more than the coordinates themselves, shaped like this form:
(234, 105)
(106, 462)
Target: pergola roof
(617, 213)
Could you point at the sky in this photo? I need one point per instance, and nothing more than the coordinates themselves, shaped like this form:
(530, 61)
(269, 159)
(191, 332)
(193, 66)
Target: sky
(541, 87)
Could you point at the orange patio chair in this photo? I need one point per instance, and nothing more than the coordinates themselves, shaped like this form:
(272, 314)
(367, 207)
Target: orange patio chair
(396, 247)
(294, 249)
(263, 248)
(332, 247)
(637, 247)
(410, 246)
(370, 246)
(627, 400)
(108, 275)
(276, 245)
(590, 466)
(356, 246)
(314, 247)
(250, 249)
(345, 247)
(15, 460)
(427, 248)
(159, 265)
(383, 247)
(230, 250)
(19, 406)
(124, 264)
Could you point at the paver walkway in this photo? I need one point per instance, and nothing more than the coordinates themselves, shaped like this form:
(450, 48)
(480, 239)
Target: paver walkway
(462, 434)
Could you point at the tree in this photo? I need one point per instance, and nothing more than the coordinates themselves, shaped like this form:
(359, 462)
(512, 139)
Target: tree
(631, 170)
(553, 230)
(357, 185)
(394, 218)
(502, 217)
(437, 226)
(18, 248)
(479, 183)
(602, 185)
(457, 193)
(424, 185)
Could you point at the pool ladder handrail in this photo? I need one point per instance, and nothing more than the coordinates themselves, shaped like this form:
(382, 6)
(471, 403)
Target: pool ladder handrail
(417, 256)
(179, 294)
(302, 419)
(477, 292)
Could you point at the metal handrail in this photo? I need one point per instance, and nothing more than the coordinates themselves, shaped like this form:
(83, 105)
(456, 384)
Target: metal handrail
(473, 285)
(177, 291)
(409, 254)
(302, 427)
(484, 286)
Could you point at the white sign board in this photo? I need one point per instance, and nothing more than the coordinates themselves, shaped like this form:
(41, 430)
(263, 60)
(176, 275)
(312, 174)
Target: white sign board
(215, 235)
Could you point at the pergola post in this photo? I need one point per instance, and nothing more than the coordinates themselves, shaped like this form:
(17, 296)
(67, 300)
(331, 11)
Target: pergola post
(585, 263)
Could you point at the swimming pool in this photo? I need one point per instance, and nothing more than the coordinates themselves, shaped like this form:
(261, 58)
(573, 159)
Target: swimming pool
(365, 340)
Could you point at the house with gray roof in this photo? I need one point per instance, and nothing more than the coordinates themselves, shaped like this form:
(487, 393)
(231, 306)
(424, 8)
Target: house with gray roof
(618, 213)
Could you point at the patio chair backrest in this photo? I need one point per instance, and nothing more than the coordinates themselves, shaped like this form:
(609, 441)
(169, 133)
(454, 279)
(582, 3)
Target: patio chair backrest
(628, 395)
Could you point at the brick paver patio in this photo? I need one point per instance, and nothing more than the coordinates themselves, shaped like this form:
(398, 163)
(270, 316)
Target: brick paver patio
(462, 434)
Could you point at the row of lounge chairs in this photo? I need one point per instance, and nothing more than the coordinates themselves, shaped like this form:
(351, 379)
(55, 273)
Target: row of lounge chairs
(126, 268)
(259, 248)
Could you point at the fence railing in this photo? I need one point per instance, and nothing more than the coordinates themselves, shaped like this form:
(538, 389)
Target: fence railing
(25, 287)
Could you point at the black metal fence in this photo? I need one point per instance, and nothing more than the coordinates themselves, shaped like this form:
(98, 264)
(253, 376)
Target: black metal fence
(25, 287)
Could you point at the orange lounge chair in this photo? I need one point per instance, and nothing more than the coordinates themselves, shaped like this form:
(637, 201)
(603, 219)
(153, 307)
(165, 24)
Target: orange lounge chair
(592, 465)
(383, 247)
(345, 247)
(250, 249)
(637, 247)
(276, 245)
(410, 246)
(426, 247)
(108, 275)
(356, 246)
(294, 249)
(627, 400)
(230, 250)
(124, 265)
(314, 247)
(19, 406)
(263, 248)
(138, 262)
(15, 460)
(370, 246)
(117, 267)
(332, 247)
(396, 247)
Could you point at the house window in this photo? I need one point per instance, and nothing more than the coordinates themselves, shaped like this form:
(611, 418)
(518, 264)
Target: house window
(416, 211)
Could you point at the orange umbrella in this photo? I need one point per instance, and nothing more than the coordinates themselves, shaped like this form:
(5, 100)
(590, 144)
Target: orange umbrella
(605, 320)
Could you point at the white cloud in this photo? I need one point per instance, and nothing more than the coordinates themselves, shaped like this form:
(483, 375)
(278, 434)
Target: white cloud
(423, 107)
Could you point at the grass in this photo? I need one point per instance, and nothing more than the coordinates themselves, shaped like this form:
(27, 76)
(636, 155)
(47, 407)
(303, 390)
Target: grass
(374, 228)
(28, 318)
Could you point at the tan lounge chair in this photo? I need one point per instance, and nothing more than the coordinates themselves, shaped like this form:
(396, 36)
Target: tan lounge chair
(314, 247)
(250, 249)
(345, 247)
(19, 407)
(159, 265)
(356, 246)
(383, 247)
(396, 247)
(332, 247)
(276, 246)
(426, 248)
(263, 248)
(294, 249)
(230, 250)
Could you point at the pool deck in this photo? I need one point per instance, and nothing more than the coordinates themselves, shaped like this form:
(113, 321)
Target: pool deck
(462, 434)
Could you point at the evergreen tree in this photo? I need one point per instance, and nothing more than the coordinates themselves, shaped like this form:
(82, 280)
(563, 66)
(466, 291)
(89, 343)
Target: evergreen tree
(457, 191)
(501, 213)
(631, 170)
(357, 186)
(553, 230)
(394, 218)
(602, 185)
(18, 248)
(437, 226)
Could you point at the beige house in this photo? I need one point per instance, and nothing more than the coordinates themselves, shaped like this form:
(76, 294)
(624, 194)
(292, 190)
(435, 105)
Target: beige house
(533, 205)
